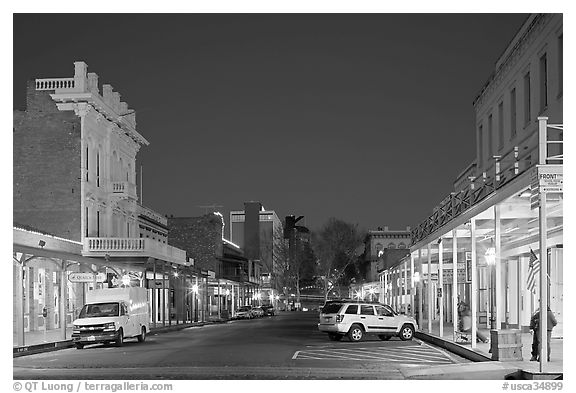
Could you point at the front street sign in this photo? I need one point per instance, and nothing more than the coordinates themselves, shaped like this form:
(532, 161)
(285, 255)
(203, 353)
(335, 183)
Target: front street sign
(545, 179)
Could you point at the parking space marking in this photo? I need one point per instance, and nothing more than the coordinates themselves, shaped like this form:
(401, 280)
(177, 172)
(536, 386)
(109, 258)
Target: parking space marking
(421, 355)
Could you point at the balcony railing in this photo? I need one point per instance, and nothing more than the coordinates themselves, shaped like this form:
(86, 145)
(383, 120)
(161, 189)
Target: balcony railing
(54, 83)
(132, 247)
(123, 189)
(543, 147)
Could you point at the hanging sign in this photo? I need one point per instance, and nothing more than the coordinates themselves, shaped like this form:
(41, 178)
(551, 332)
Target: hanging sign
(157, 284)
(86, 277)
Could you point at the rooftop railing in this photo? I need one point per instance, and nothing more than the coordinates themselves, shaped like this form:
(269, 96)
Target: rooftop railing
(54, 83)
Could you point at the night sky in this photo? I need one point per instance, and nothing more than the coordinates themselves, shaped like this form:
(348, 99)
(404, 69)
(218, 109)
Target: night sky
(364, 117)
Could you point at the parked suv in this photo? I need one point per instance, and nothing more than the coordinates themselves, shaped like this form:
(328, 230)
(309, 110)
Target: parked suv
(355, 319)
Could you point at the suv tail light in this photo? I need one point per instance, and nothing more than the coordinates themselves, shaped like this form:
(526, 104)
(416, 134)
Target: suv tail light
(339, 318)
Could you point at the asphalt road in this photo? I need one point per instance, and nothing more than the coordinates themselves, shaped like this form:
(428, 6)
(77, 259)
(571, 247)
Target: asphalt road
(286, 346)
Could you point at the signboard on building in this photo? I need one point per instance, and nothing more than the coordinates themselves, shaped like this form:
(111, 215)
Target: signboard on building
(86, 277)
(157, 283)
(448, 274)
(545, 179)
(468, 266)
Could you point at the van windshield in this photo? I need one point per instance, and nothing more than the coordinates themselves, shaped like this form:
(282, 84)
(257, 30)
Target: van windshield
(100, 310)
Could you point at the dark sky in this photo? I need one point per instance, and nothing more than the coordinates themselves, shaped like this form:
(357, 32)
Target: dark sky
(364, 117)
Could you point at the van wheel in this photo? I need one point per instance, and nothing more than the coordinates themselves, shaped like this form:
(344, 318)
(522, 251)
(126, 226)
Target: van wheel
(356, 333)
(406, 333)
(79, 346)
(142, 336)
(120, 339)
(384, 337)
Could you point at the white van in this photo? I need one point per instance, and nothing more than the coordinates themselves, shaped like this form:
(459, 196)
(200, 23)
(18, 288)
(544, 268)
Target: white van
(111, 315)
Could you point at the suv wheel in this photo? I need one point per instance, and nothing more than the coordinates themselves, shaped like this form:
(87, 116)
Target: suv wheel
(356, 333)
(406, 332)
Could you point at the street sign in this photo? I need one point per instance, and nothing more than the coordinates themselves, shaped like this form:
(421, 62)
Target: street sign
(86, 277)
(550, 178)
(157, 284)
(545, 179)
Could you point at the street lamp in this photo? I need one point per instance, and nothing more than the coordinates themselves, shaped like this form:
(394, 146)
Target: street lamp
(371, 291)
(490, 256)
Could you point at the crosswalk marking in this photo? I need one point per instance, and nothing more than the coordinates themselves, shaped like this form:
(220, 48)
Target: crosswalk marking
(423, 354)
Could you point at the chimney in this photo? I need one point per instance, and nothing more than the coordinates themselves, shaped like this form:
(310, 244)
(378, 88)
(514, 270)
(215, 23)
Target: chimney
(93, 83)
(107, 94)
(80, 69)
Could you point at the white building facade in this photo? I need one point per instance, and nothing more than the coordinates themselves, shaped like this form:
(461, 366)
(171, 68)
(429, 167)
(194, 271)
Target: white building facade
(479, 246)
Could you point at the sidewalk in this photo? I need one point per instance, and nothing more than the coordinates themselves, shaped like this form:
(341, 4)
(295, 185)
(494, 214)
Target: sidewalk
(51, 340)
(555, 366)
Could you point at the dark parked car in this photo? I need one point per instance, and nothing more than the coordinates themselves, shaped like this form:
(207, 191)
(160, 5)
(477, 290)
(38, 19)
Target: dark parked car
(269, 310)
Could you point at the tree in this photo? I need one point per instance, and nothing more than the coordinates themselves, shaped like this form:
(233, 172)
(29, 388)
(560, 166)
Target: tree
(296, 266)
(337, 245)
(281, 278)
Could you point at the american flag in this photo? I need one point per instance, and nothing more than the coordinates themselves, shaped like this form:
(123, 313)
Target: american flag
(533, 270)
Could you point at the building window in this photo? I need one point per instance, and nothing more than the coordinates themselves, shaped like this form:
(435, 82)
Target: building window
(560, 64)
(97, 223)
(526, 99)
(86, 222)
(543, 83)
(490, 131)
(512, 113)
(480, 145)
(500, 126)
(98, 169)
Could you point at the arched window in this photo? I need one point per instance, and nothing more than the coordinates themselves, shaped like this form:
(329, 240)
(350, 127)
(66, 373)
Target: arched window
(401, 245)
(391, 245)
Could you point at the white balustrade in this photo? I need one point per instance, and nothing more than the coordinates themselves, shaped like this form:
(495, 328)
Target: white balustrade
(54, 83)
(134, 247)
(123, 188)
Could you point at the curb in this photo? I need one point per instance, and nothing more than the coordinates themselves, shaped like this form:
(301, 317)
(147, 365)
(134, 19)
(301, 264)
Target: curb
(57, 345)
(459, 350)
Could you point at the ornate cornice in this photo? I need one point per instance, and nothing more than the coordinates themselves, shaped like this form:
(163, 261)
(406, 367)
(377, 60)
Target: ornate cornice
(536, 26)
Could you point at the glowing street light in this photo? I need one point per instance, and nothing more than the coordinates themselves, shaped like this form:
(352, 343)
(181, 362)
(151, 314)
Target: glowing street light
(126, 280)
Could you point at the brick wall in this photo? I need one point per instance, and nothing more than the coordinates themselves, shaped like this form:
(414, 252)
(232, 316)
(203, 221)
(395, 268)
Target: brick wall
(201, 237)
(46, 165)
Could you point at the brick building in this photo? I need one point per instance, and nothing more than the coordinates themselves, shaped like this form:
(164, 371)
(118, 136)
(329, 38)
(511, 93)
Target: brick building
(233, 278)
(74, 174)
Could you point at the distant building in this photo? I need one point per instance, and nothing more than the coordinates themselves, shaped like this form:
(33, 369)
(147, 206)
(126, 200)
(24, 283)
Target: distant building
(258, 232)
(384, 245)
